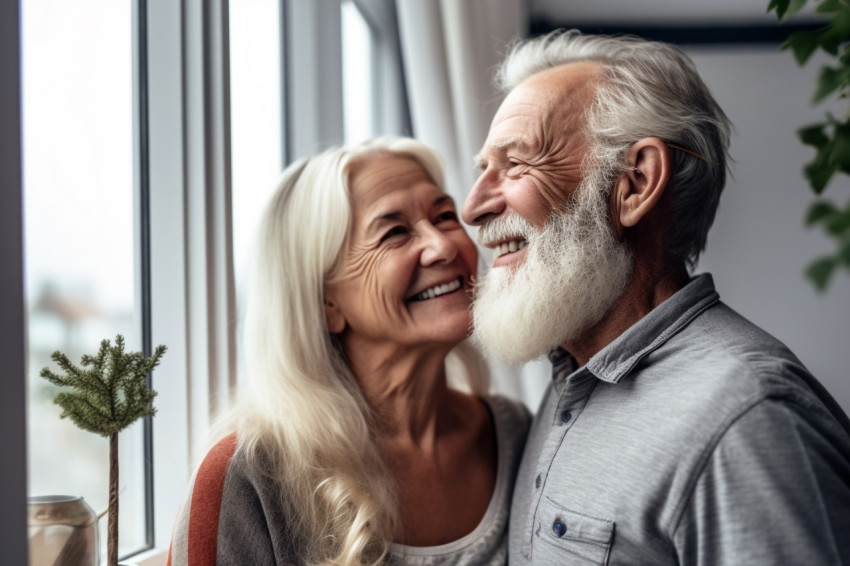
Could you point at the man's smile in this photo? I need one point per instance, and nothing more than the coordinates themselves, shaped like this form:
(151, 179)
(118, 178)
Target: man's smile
(509, 247)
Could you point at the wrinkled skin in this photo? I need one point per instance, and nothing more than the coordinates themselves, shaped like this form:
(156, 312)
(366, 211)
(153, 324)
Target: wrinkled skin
(405, 238)
(532, 158)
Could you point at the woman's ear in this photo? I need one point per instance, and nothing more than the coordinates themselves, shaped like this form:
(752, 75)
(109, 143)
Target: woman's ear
(333, 317)
(639, 188)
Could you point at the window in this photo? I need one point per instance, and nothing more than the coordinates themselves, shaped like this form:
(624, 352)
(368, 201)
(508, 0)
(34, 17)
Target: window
(182, 102)
(256, 111)
(357, 74)
(81, 262)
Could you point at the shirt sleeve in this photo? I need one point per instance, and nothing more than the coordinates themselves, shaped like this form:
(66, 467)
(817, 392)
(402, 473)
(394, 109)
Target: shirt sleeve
(775, 490)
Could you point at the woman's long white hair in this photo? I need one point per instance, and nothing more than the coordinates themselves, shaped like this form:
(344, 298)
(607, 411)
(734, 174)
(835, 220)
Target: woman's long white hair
(305, 422)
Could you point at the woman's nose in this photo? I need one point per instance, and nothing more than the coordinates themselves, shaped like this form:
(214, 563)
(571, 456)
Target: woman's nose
(438, 246)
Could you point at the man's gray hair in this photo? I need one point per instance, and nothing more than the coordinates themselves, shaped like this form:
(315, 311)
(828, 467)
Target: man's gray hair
(647, 89)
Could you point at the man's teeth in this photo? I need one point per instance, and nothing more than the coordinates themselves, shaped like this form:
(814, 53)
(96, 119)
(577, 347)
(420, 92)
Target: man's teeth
(437, 290)
(512, 246)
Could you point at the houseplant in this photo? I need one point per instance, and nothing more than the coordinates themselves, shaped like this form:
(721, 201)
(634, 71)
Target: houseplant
(830, 138)
(107, 394)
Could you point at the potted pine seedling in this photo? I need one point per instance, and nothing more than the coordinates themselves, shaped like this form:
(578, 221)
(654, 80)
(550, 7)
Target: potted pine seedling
(105, 395)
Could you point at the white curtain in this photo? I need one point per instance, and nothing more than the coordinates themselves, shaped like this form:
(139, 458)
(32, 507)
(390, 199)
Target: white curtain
(450, 50)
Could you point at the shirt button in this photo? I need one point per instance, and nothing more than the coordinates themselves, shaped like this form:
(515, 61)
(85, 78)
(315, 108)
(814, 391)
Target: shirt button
(566, 416)
(538, 481)
(559, 527)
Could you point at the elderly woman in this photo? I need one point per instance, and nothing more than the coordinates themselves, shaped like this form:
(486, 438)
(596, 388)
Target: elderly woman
(353, 447)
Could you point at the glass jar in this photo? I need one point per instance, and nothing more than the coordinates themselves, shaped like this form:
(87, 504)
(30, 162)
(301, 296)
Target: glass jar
(62, 531)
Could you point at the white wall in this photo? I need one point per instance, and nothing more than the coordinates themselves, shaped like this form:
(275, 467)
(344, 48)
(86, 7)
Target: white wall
(758, 247)
(658, 12)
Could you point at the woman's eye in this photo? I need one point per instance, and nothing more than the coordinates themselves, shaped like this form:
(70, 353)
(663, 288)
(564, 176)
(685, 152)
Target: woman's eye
(449, 215)
(394, 231)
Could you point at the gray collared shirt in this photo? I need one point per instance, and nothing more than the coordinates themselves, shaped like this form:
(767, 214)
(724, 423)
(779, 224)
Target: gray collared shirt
(693, 438)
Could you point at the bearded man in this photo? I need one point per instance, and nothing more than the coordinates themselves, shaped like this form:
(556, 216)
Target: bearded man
(674, 430)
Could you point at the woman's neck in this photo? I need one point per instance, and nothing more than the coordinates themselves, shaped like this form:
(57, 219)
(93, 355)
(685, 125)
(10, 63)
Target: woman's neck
(432, 438)
(407, 391)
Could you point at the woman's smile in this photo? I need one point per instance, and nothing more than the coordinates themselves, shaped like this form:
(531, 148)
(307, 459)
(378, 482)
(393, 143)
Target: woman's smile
(438, 290)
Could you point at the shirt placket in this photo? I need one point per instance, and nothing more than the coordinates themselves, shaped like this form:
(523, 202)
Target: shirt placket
(575, 388)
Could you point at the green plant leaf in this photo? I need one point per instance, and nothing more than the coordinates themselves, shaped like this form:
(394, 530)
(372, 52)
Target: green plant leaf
(830, 79)
(819, 211)
(828, 6)
(813, 135)
(840, 147)
(838, 224)
(793, 7)
(820, 170)
(780, 6)
(802, 43)
(820, 271)
(785, 8)
(832, 120)
(836, 33)
(845, 56)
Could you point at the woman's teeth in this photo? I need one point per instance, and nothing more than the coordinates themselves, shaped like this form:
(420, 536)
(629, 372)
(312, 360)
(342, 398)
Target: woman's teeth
(508, 247)
(437, 290)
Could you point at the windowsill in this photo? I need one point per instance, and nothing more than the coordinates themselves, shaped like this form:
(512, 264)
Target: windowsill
(153, 557)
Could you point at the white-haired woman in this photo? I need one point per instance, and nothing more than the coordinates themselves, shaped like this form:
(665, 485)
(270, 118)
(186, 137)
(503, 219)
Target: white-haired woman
(352, 448)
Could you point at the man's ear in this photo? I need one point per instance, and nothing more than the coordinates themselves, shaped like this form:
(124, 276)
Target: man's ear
(638, 189)
(333, 316)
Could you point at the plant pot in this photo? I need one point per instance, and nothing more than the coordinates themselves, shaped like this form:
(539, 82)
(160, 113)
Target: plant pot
(62, 531)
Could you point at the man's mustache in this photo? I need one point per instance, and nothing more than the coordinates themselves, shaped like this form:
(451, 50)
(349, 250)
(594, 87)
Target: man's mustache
(504, 228)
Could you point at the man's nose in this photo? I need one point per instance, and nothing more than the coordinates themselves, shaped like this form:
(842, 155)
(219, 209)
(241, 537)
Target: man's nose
(484, 200)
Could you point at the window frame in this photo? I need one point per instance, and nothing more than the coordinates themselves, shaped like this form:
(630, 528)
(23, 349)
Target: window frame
(13, 402)
(192, 287)
(185, 136)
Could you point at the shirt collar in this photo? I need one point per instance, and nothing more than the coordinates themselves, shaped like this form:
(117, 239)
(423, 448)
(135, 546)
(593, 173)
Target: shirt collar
(563, 364)
(651, 332)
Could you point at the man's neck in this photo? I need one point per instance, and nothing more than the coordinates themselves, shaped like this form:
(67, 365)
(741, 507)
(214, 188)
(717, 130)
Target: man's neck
(646, 289)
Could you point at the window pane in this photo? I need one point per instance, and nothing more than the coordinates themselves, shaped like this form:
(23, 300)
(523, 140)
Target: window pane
(256, 120)
(357, 74)
(81, 278)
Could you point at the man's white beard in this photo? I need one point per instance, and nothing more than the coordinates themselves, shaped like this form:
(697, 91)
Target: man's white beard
(573, 272)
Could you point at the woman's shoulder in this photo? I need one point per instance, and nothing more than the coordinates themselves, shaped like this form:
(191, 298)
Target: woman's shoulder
(508, 410)
(223, 507)
(195, 535)
(217, 459)
(511, 421)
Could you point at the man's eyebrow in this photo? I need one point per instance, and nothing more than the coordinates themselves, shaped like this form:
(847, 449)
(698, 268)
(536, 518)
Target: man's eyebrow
(508, 142)
(501, 145)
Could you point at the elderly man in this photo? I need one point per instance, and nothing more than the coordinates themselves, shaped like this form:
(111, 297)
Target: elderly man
(674, 430)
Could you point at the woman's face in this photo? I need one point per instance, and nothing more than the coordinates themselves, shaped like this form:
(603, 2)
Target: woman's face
(405, 278)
